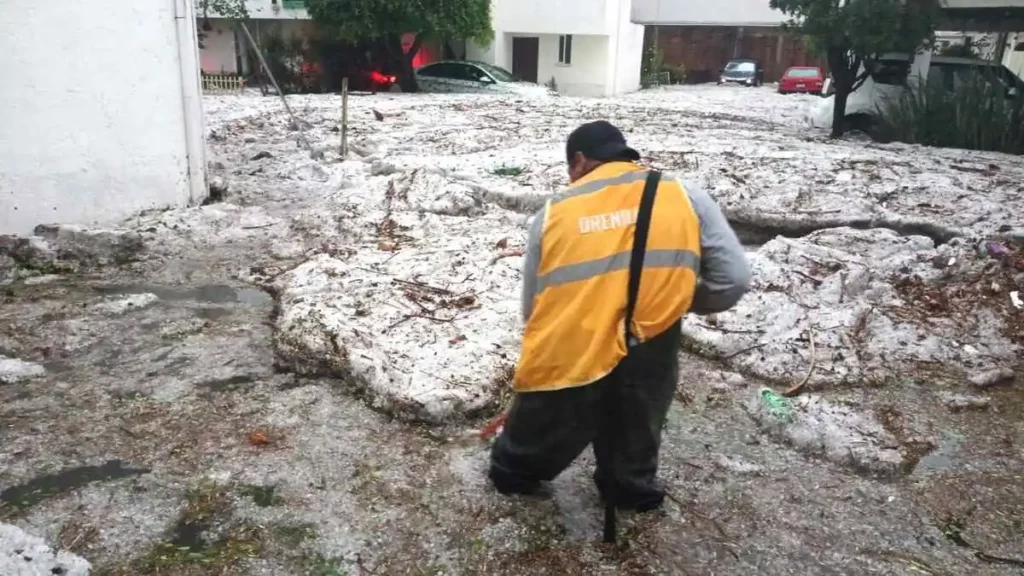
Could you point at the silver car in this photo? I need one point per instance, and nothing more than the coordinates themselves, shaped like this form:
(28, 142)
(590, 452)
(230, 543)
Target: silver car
(467, 76)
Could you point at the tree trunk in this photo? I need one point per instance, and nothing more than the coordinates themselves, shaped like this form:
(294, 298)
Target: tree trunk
(843, 78)
(839, 111)
(402, 62)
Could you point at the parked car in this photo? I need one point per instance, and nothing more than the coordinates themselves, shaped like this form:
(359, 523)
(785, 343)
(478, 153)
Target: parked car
(742, 71)
(802, 80)
(468, 76)
(891, 77)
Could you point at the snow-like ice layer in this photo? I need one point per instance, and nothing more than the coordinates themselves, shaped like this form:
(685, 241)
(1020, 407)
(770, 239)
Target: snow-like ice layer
(14, 370)
(23, 554)
(837, 433)
(748, 147)
(422, 316)
(441, 179)
(845, 288)
(126, 304)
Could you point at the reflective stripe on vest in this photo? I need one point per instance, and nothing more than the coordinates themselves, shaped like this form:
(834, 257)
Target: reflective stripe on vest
(575, 333)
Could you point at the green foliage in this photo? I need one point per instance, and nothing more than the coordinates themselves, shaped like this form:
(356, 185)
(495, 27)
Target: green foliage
(854, 33)
(262, 496)
(284, 57)
(969, 49)
(323, 566)
(358, 20)
(508, 170)
(233, 9)
(383, 23)
(864, 28)
(978, 114)
(654, 71)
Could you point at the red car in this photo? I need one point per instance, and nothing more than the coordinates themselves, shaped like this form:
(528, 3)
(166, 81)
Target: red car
(804, 79)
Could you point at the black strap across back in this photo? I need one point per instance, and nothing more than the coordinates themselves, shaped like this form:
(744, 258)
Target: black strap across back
(636, 266)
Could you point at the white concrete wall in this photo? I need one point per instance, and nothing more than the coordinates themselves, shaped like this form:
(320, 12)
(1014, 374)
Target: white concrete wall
(102, 116)
(498, 52)
(706, 12)
(626, 51)
(587, 74)
(553, 16)
(1012, 59)
(604, 63)
(975, 4)
(218, 53)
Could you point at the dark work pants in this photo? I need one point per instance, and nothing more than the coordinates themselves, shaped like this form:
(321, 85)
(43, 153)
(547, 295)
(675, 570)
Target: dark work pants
(546, 431)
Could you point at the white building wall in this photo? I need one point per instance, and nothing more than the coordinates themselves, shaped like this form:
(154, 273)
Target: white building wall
(627, 52)
(1014, 59)
(102, 116)
(217, 55)
(586, 75)
(605, 61)
(553, 16)
(706, 12)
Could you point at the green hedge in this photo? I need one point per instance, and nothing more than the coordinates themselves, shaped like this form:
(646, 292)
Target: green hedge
(979, 114)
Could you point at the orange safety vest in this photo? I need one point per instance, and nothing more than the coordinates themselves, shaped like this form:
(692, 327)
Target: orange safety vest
(575, 334)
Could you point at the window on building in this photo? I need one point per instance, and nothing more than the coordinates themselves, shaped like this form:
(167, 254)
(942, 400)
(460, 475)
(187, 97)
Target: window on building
(565, 49)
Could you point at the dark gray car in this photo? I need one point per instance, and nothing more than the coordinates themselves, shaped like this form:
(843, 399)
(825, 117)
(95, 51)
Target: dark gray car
(742, 71)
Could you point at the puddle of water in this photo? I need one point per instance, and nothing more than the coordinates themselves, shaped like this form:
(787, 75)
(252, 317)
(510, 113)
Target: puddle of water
(212, 294)
(945, 455)
(38, 489)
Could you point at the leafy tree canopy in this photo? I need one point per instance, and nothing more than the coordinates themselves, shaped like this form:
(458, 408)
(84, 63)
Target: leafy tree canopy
(855, 33)
(360, 20)
(234, 9)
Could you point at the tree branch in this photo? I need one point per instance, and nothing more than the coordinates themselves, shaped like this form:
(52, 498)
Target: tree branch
(860, 80)
(417, 43)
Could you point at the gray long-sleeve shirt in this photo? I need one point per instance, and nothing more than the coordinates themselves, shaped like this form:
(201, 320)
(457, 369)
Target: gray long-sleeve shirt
(724, 269)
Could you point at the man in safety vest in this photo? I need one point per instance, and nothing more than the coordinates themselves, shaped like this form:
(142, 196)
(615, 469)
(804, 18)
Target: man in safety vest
(574, 306)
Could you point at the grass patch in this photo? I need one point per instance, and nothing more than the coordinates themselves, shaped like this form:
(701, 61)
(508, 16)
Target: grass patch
(204, 540)
(262, 496)
(979, 113)
(293, 535)
(322, 566)
(508, 170)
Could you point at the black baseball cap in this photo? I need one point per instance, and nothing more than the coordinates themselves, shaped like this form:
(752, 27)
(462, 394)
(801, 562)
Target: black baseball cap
(599, 141)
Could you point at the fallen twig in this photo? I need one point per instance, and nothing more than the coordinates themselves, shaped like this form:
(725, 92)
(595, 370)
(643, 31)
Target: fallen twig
(428, 287)
(408, 317)
(745, 350)
(508, 254)
(795, 390)
(690, 512)
(993, 559)
(816, 281)
(730, 331)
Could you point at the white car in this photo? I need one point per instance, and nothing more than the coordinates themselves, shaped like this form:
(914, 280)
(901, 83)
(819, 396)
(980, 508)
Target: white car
(891, 79)
(467, 76)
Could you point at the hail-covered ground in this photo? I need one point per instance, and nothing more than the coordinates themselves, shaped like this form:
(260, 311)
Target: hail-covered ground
(286, 380)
